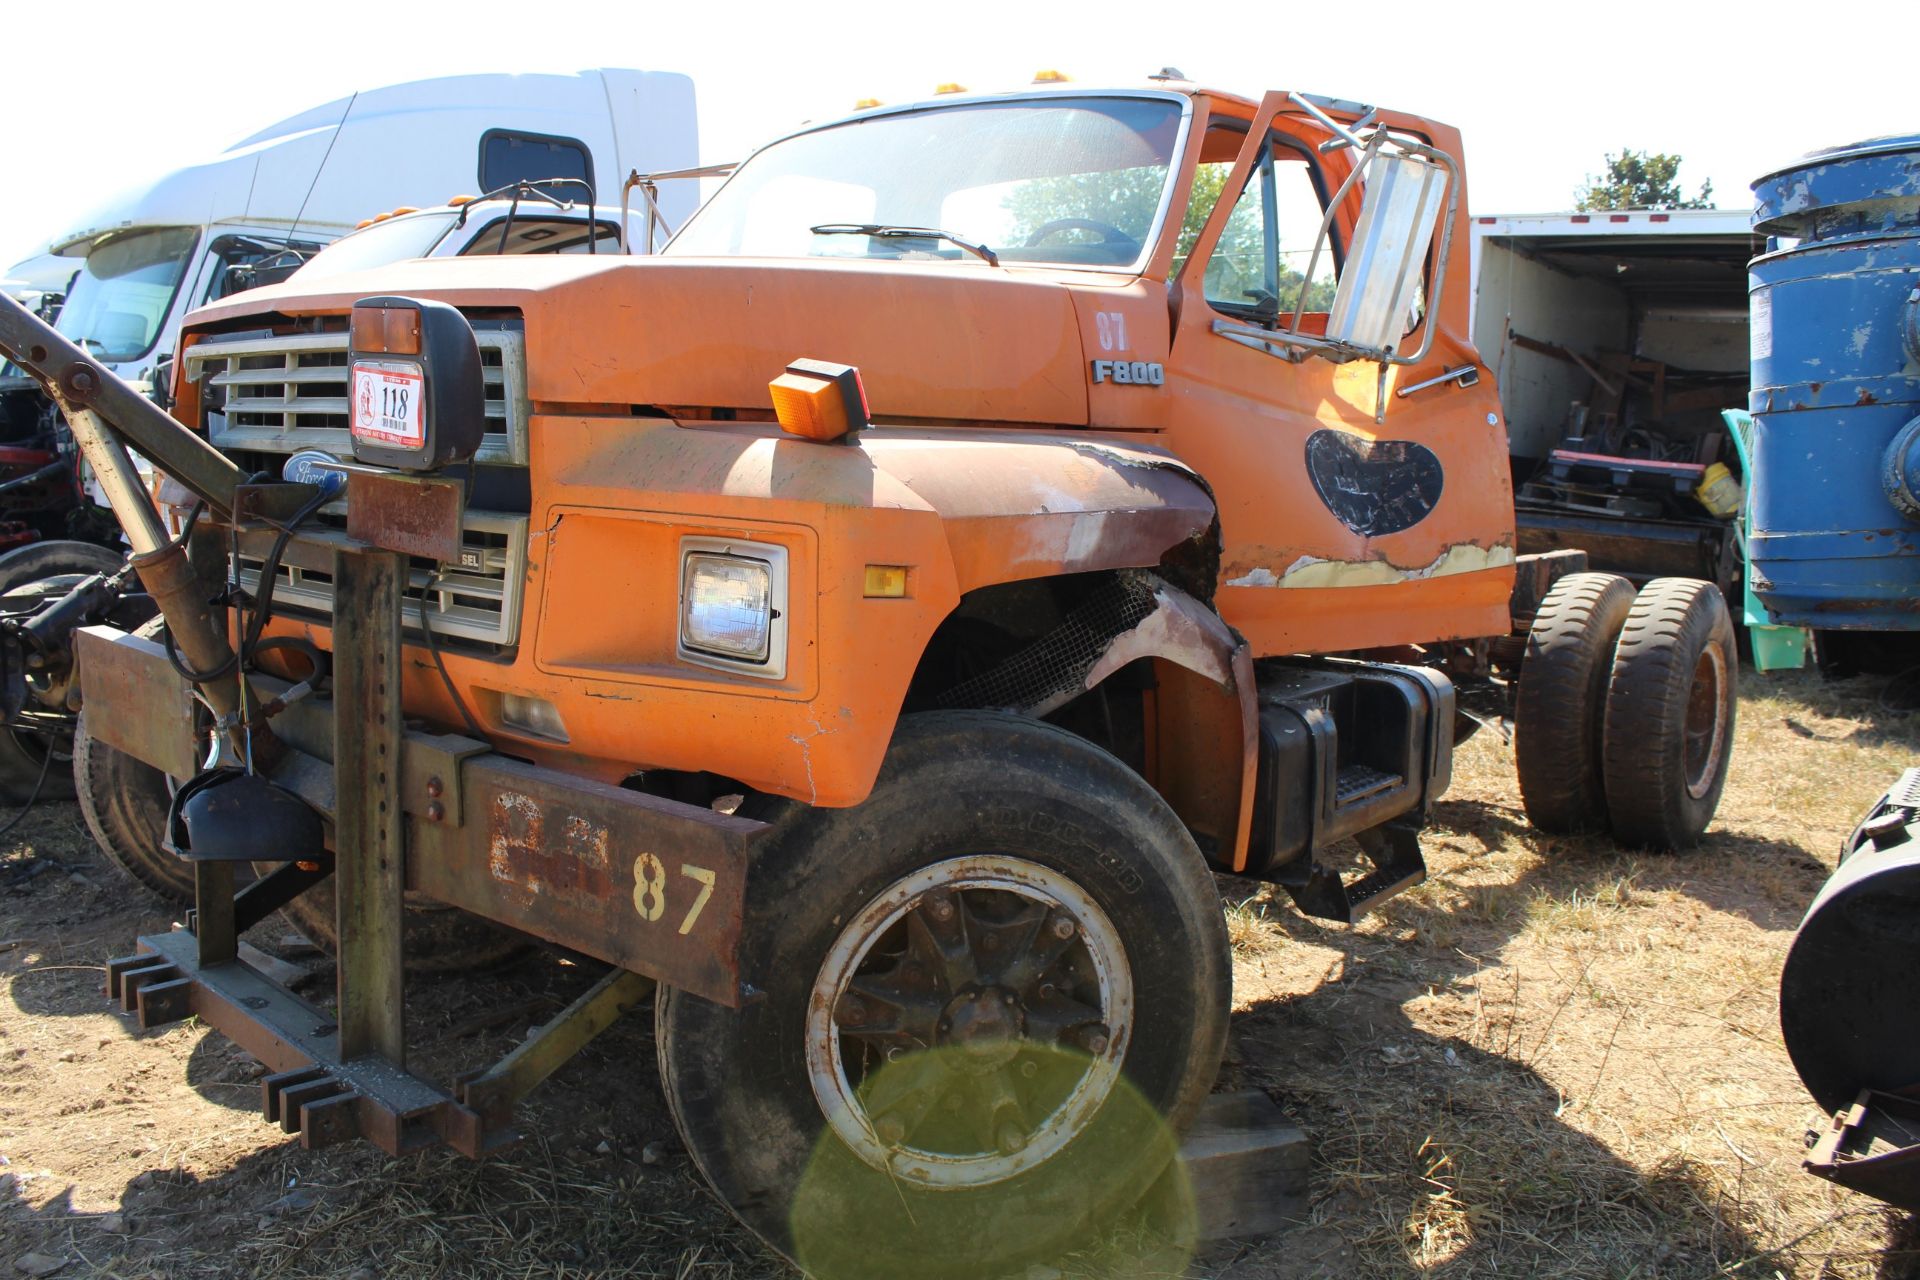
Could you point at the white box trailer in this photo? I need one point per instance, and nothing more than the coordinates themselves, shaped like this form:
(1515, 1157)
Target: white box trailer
(1617, 338)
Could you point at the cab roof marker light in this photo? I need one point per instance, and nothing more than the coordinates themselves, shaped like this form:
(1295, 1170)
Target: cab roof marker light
(866, 103)
(1047, 75)
(454, 202)
(951, 86)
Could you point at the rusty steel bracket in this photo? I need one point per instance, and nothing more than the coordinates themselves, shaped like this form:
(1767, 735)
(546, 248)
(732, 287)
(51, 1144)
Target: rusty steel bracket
(417, 515)
(1872, 1147)
(493, 1092)
(152, 718)
(311, 1088)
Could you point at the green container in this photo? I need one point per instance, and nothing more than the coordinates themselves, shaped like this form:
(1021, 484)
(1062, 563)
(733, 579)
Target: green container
(1775, 647)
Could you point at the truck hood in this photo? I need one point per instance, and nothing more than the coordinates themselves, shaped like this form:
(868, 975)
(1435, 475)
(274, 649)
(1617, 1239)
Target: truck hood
(943, 342)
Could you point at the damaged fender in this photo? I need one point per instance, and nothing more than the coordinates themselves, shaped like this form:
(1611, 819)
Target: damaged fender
(1206, 726)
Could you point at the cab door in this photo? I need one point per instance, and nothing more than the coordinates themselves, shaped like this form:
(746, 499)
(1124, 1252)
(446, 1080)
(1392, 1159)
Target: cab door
(1339, 531)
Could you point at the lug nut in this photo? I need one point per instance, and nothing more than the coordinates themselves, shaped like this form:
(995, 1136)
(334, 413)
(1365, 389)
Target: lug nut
(1063, 928)
(1010, 1139)
(891, 1131)
(941, 909)
(1094, 1039)
(1028, 1070)
(850, 1012)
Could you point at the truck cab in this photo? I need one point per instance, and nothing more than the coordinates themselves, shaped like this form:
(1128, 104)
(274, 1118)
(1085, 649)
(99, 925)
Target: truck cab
(872, 617)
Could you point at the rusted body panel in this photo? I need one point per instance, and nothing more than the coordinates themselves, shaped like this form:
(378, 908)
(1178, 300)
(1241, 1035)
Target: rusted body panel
(1293, 576)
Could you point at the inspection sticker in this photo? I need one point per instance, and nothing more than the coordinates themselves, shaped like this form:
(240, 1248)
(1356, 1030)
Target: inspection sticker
(389, 403)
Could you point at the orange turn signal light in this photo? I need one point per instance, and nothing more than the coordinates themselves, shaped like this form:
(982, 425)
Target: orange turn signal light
(819, 401)
(1048, 75)
(392, 330)
(866, 103)
(886, 582)
(951, 87)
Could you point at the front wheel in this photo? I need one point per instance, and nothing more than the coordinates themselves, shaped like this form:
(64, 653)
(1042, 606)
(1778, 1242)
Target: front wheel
(996, 991)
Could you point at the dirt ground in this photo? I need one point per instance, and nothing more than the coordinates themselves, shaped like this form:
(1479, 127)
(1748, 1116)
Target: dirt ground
(1551, 1059)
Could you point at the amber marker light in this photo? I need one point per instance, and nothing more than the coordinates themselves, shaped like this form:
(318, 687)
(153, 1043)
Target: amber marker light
(386, 330)
(886, 582)
(1050, 76)
(817, 400)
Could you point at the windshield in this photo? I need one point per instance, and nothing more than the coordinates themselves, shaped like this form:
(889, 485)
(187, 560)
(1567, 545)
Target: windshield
(395, 240)
(124, 290)
(1064, 180)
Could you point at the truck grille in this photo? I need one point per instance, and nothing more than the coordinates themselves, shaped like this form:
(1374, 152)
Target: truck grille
(285, 393)
(476, 600)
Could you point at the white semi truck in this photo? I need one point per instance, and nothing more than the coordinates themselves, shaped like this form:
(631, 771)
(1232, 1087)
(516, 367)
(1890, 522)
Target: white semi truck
(147, 258)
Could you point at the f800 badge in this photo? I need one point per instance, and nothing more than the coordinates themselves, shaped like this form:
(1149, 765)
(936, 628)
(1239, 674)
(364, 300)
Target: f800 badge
(1136, 373)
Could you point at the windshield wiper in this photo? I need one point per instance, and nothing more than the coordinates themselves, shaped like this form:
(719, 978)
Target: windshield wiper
(887, 231)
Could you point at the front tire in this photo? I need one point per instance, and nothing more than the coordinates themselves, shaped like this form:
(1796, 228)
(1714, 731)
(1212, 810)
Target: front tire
(996, 990)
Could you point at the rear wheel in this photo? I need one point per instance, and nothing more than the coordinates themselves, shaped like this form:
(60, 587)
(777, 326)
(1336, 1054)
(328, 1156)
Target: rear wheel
(1670, 715)
(995, 992)
(29, 576)
(1560, 708)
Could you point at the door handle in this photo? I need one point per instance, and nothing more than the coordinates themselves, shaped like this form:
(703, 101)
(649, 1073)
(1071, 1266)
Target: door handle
(1467, 375)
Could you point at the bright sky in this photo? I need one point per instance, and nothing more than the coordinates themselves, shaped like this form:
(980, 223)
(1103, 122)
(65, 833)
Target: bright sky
(1540, 91)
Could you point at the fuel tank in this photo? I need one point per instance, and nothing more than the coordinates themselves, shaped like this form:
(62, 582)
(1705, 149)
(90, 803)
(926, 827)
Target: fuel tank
(1849, 1008)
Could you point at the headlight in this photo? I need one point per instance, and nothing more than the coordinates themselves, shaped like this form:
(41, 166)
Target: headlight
(733, 605)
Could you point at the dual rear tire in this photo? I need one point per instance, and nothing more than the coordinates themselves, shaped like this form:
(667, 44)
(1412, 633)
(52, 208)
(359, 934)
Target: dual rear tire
(1624, 716)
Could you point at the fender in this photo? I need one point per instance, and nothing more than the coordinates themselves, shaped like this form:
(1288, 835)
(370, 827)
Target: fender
(1204, 741)
(1024, 506)
(962, 508)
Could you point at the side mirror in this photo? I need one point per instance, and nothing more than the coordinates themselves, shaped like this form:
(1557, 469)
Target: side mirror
(1380, 280)
(416, 397)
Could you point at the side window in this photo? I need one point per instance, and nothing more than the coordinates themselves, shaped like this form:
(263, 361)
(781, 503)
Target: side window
(1259, 268)
(507, 157)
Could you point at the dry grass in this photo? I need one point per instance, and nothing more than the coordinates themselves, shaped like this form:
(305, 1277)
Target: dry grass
(1551, 1059)
(1557, 1059)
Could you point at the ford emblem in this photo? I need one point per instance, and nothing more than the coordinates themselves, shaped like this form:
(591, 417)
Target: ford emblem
(315, 466)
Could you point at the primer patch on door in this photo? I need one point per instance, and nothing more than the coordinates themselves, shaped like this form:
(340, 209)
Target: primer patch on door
(1373, 486)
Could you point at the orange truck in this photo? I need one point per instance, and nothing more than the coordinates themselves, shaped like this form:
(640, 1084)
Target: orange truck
(871, 619)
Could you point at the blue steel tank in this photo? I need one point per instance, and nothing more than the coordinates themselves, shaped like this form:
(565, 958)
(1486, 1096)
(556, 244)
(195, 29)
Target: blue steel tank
(1835, 535)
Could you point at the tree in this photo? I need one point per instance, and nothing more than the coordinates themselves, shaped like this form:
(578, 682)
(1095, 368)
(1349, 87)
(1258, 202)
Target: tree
(1639, 180)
